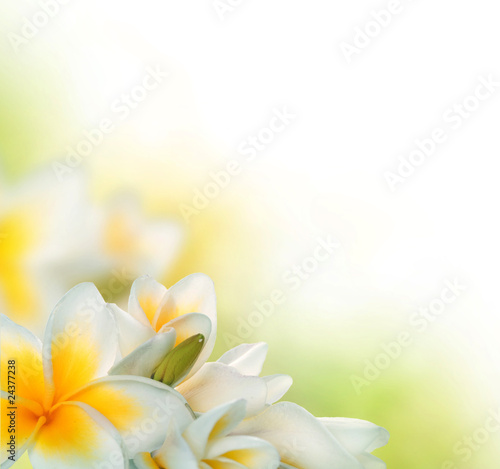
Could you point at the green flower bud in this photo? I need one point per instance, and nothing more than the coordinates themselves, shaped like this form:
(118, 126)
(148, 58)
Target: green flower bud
(179, 361)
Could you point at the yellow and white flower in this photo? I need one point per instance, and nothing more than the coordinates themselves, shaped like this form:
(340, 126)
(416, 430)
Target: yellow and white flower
(68, 413)
(159, 319)
(206, 443)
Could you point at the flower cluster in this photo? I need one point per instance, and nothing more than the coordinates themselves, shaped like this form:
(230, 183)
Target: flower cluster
(110, 388)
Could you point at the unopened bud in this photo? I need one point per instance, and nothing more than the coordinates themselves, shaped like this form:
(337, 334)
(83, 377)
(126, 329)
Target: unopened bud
(179, 361)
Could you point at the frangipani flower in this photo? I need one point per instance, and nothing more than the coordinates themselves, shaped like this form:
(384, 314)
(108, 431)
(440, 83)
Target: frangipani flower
(305, 442)
(68, 413)
(190, 311)
(159, 320)
(206, 443)
(235, 376)
(52, 237)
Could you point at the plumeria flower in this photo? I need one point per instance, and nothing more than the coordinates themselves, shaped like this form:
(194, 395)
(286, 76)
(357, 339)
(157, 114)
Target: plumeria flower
(52, 237)
(68, 413)
(206, 443)
(305, 442)
(160, 319)
(235, 375)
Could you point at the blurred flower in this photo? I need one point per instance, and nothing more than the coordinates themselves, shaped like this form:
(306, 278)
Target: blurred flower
(159, 320)
(69, 414)
(52, 237)
(206, 443)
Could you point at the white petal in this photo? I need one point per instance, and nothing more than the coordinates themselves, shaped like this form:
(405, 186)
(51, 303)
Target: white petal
(77, 436)
(139, 408)
(175, 452)
(21, 345)
(248, 359)
(216, 384)
(277, 387)
(359, 437)
(250, 452)
(193, 294)
(302, 441)
(144, 360)
(81, 341)
(188, 325)
(214, 424)
(131, 332)
(138, 463)
(146, 295)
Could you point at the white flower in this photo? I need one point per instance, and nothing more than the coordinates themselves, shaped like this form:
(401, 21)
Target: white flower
(159, 320)
(235, 376)
(305, 442)
(69, 413)
(206, 443)
(220, 414)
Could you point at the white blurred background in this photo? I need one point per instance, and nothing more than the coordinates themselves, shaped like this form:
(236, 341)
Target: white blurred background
(356, 105)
